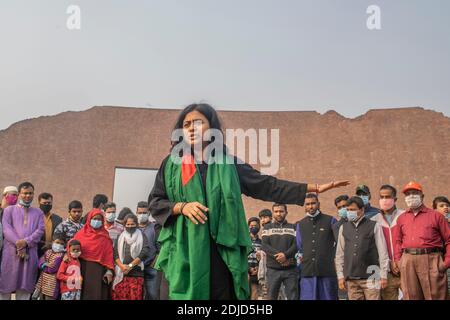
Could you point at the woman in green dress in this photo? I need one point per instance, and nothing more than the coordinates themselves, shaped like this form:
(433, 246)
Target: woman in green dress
(198, 202)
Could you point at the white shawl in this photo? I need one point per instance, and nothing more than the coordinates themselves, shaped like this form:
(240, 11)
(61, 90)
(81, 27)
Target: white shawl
(136, 242)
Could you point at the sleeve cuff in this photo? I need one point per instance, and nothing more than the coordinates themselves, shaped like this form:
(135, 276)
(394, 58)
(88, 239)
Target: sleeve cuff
(303, 191)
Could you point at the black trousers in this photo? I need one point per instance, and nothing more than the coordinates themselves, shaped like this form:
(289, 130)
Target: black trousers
(221, 281)
(277, 277)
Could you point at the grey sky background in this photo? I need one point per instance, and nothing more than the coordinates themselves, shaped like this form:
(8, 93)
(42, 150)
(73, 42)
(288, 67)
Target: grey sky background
(234, 54)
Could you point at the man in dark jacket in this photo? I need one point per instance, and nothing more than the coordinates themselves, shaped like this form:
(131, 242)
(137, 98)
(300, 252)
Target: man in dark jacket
(51, 219)
(319, 280)
(278, 242)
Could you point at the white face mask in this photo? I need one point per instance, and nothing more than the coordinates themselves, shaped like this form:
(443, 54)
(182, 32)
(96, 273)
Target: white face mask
(142, 218)
(313, 214)
(110, 216)
(57, 247)
(413, 201)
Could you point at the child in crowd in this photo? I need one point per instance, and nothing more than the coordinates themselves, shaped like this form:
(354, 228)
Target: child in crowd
(69, 273)
(47, 287)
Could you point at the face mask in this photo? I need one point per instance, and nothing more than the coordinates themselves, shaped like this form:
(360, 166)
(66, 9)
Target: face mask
(142, 218)
(96, 224)
(25, 204)
(365, 199)
(56, 247)
(11, 199)
(131, 230)
(110, 217)
(413, 201)
(352, 215)
(386, 204)
(75, 255)
(254, 230)
(342, 212)
(448, 216)
(46, 207)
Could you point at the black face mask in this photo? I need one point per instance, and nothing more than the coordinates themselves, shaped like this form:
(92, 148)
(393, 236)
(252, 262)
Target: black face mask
(46, 207)
(131, 230)
(254, 230)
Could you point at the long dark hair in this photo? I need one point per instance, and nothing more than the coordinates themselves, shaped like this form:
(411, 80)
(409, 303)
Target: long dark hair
(206, 110)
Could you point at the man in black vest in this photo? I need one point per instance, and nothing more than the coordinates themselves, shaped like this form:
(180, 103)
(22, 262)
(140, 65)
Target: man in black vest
(362, 260)
(318, 281)
(278, 242)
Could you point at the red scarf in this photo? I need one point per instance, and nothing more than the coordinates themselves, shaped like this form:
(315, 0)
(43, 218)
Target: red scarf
(96, 245)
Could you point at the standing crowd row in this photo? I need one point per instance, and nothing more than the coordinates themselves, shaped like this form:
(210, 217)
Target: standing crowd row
(359, 253)
(102, 255)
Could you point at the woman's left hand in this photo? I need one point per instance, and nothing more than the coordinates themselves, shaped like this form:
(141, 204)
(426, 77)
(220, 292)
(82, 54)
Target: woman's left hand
(332, 185)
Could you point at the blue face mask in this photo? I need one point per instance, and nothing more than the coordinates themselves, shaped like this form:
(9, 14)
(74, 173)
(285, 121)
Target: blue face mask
(365, 199)
(352, 215)
(96, 224)
(342, 212)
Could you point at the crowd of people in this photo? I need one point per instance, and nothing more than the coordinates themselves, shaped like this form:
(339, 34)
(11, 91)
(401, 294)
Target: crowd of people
(358, 253)
(191, 241)
(102, 255)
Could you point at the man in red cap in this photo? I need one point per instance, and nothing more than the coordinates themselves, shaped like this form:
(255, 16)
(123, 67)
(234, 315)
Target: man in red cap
(422, 237)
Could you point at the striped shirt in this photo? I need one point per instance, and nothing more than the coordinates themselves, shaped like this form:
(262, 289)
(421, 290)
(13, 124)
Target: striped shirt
(256, 245)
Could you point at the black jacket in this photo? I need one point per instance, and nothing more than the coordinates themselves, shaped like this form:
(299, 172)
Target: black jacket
(56, 220)
(277, 238)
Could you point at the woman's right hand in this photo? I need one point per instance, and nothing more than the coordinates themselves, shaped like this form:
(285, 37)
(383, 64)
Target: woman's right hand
(195, 212)
(123, 267)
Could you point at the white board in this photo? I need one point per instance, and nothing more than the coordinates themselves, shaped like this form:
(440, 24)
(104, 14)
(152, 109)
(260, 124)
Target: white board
(131, 186)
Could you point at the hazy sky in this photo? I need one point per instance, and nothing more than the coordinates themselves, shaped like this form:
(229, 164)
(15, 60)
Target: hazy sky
(235, 54)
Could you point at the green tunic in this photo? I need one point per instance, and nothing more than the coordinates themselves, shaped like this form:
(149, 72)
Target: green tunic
(185, 247)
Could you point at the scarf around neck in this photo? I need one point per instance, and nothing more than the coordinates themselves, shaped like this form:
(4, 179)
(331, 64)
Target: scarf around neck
(185, 247)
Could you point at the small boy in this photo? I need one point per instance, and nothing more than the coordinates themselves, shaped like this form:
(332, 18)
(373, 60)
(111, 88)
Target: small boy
(69, 273)
(47, 287)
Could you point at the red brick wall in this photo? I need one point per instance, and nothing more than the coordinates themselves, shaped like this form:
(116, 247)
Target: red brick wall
(73, 154)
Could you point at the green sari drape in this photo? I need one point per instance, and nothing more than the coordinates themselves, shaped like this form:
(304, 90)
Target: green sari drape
(185, 247)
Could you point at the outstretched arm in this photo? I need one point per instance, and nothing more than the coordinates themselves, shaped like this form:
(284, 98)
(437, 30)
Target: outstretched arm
(269, 188)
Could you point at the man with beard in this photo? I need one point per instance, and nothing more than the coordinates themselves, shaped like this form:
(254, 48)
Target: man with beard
(278, 242)
(318, 278)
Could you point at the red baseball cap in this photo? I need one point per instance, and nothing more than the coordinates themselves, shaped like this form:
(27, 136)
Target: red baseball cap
(412, 185)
